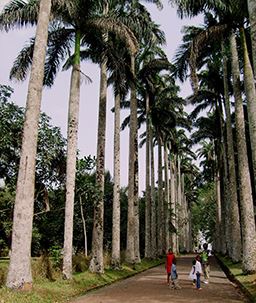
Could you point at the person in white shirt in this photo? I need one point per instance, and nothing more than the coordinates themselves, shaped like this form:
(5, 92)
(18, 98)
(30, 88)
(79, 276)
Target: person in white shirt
(198, 270)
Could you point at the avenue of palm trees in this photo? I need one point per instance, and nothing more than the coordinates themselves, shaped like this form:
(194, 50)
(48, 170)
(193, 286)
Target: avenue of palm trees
(121, 37)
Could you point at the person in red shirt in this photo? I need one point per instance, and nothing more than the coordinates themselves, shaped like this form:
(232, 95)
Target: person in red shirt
(168, 264)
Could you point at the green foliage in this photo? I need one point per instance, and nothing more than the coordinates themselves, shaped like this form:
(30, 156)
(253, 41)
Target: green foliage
(204, 212)
(45, 291)
(56, 256)
(246, 282)
(80, 263)
(44, 267)
(50, 173)
(7, 197)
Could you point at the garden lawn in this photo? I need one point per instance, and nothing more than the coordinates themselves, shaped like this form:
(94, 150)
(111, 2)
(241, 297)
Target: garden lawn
(246, 282)
(60, 290)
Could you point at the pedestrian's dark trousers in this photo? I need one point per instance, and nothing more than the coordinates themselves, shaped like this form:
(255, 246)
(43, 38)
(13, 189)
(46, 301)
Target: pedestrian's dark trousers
(198, 280)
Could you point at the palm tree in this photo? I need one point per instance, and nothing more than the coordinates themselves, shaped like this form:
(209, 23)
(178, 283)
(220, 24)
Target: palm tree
(252, 16)
(249, 263)
(96, 264)
(148, 77)
(19, 272)
(59, 45)
(245, 192)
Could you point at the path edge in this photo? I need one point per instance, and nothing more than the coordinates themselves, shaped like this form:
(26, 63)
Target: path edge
(233, 279)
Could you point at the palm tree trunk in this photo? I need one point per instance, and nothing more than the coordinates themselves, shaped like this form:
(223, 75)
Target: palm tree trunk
(84, 226)
(252, 15)
(226, 212)
(96, 264)
(167, 199)
(173, 206)
(148, 201)
(153, 197)
(19, 271)
(130, 253)
(233, 209)
(178, 207)
(218, 213)
(160, 199)
(136, 205)
(73, 116)
(116, 191)
(250, 92)
(245, 190)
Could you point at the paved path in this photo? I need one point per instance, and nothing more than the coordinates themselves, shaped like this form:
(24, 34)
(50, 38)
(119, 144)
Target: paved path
(150, 287)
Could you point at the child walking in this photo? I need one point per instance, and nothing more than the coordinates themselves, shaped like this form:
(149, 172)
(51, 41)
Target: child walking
(198, 269)
(174, 276)
(192, 274)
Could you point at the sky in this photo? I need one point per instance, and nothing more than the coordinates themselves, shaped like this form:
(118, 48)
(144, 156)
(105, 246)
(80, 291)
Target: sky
(55, 99)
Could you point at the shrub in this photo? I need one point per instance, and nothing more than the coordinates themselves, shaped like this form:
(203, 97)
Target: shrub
(80, 263)
(56, 256)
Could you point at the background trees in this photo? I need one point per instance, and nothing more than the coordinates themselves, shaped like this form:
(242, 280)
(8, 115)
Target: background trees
(123, 39)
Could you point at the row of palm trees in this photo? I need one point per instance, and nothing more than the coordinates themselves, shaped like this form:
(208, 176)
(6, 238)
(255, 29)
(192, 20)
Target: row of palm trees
(121, 37)
(222, 50)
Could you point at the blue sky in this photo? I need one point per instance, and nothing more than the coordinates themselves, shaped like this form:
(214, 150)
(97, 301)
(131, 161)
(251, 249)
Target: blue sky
(55, 100)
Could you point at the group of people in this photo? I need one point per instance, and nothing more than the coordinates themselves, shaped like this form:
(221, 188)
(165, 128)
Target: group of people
(200, 265)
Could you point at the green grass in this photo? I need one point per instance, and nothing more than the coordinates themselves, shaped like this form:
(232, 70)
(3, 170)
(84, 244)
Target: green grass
(247, 282)
(60, 290)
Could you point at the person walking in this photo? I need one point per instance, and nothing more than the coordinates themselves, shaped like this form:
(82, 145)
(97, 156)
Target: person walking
(174, 276)
(205, 263)
(198, 269)
(168, 264)
(192, 274)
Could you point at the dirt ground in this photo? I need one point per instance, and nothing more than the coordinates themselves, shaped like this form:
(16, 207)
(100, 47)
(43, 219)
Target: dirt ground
(151, 287)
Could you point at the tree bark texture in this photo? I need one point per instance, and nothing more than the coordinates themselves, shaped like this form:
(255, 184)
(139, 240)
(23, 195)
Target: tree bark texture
(250, 93)
(73, 116)
(233, 209)
(71, 172)
(130, 253)
(153, 197)
(245, 190)
(96, 263)
(148, 249)
(160, 238)
(116, 191)
(167, 199)
(252, 16)
(19, 271)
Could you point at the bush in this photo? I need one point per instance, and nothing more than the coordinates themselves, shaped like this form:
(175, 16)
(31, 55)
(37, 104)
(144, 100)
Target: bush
(43, 267)
(80, 263)
(56, 256)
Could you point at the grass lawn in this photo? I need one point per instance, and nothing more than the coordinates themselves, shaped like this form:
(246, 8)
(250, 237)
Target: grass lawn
(247, 282)
(62, 291)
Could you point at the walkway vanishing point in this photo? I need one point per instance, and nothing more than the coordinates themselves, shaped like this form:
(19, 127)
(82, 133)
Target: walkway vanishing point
(150, 287)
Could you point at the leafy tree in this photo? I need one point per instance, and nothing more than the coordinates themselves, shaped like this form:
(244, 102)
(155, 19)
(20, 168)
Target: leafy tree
(203, 213)
(50, 172)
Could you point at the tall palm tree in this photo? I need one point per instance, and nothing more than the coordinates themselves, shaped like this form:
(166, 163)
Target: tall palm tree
(59, 46)
(245, 198)
(147, 75)
(252, 16)
(96, 264)
(119, 79)
(247, 209)
(19, 272)
(144, 32)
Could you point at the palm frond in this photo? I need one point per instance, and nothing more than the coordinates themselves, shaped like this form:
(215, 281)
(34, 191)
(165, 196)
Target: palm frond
(60, 40)
(117, 27)
(19, 13)
(23, 62)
